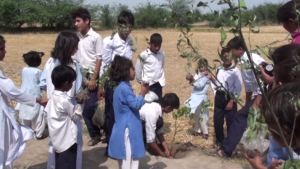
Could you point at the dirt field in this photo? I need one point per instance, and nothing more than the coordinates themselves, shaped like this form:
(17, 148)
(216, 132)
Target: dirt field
(175, 67)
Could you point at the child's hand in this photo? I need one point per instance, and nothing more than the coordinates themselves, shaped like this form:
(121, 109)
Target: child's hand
(206, 74)
(265, 77)
(189, 77)
(92, 84)
(275, 164)
(229, 105)
(144, 90)
(100, 93)
(256, 161)
(42, 102)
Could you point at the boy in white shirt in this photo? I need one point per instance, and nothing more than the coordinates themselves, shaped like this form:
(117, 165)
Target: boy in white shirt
(120, 44)
(231, 79)
(152, 121)
(89, 55)
(62, 116)
(151, 65)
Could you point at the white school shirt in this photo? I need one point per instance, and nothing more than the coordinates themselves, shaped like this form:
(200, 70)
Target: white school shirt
(150, 112)
(46, 80)
(248, 75)
(151, 67)
(89, 49)
(30, 84)
(231, 80)
(115, 46)
(13, 136)
(62, 116)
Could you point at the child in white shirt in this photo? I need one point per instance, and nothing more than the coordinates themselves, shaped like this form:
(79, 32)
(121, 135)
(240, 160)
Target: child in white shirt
(62, 116)
(13, 136)
(151, 65)
(30, 84)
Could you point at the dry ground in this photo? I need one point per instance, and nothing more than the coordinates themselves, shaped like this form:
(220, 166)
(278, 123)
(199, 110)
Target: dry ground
(175, 67)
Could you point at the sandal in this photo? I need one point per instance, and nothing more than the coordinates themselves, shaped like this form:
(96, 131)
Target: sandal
(94, 141)
(194, 133)
(205, 136)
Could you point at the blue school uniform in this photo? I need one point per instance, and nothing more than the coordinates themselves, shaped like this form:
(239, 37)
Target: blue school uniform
(199, 92)
(126, 107)
(278, 153)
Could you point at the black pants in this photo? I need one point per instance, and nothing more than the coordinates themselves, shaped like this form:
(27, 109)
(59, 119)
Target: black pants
(66, 159)
(157, 89)
(237, 129)
(109, 112)
(88, 113)
(220, 112)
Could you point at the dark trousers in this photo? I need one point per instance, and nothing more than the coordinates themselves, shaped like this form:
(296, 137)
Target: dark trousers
(88, 113)
(66, 159)
(109, 112)
(157, 89)
(237, 128)
(220, 112)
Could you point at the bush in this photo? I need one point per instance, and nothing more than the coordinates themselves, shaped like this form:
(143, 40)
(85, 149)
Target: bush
(149, 15)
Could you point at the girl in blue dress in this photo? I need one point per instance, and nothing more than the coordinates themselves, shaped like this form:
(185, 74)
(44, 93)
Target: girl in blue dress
(126, 141)
(199, 96)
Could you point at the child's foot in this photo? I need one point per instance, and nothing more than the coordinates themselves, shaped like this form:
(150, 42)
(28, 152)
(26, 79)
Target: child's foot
(42, 137)
(205, 136)
(194, 133)
(94, 141)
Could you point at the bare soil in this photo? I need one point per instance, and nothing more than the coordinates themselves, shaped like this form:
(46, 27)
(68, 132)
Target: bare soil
(188, 156)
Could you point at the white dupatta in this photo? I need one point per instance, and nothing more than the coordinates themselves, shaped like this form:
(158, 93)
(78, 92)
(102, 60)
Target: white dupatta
(13, 137)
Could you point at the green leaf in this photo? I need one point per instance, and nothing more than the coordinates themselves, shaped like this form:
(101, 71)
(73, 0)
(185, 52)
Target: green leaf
(223, 36)
(243, 4)
(230, 55)
(287, 165)
(264, 51)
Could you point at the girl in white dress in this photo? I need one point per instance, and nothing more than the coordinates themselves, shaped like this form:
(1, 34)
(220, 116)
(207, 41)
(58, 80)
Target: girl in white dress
(32, 116)
(66, 46)
(199, 96)
(13, 137)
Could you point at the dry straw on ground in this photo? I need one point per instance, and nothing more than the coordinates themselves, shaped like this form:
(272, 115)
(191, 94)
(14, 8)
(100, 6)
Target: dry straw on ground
(175, 67)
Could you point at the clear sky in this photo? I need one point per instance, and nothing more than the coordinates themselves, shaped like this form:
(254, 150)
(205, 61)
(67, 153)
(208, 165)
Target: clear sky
(214, 6)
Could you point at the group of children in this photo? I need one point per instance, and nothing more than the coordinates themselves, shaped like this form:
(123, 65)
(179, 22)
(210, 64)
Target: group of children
(132, 121)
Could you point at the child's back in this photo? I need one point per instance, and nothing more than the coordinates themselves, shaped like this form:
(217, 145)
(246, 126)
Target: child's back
(30, 85)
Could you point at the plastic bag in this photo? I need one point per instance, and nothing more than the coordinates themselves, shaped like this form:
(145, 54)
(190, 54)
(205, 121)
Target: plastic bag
(260, 143)
(99, 116)
(150, 97)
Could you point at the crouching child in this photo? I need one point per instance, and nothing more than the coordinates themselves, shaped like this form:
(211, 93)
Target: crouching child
(152, 122)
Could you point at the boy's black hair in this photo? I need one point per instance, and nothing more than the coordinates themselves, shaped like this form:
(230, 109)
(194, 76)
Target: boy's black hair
(2, 39)
(170, 99)
(65, 44)
(126, 17)
(62, 74)
(284, 100)
(32, 58)
(120, 69)
(156, 38)
(285, 52)
(82, 13)
(236, 43)
(225, 50)
(288, 11)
